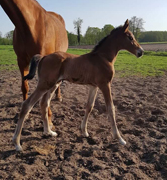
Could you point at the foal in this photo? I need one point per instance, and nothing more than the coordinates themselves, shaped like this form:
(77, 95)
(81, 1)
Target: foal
(95, 69)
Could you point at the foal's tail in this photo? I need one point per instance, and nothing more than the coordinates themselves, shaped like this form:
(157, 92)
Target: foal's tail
(34, 63)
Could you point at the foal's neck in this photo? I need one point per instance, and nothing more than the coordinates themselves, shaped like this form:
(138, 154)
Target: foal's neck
(109, 52)
(22, 13)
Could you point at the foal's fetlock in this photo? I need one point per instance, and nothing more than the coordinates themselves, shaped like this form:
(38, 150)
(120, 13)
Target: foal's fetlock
(17, 145)
(120, 139)
(85, 134)
(51, 126)
(83, 130)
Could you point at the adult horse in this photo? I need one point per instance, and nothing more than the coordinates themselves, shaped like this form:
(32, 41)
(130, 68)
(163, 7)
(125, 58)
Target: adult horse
(36, 32)
(95, 69)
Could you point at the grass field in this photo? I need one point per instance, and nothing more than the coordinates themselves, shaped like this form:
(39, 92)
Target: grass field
(151, 64)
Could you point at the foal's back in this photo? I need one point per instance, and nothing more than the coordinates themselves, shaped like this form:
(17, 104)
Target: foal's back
(86, 69)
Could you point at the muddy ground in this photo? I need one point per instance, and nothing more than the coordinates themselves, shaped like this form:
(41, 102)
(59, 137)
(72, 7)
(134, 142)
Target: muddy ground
(141, 113)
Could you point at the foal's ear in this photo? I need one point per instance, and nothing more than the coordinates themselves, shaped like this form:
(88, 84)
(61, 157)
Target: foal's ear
(126, 25)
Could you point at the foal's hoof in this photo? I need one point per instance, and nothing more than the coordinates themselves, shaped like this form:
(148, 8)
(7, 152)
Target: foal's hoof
(122, 141)
(85, 134)
(51, 133)
(18, 148)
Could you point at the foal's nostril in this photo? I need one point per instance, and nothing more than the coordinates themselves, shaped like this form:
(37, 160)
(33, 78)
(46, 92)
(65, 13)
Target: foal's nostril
(140, 53)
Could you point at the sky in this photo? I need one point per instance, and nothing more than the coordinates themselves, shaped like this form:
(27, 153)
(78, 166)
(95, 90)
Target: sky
(97, 13)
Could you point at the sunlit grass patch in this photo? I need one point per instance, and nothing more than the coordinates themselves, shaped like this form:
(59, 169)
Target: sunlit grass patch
(7, 58)
(151, 64)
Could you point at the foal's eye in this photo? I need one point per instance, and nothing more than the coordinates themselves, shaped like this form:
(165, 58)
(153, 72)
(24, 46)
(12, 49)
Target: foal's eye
(130, 38)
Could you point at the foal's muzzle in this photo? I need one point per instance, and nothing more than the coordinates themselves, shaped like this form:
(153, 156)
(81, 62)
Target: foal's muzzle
(140, 52)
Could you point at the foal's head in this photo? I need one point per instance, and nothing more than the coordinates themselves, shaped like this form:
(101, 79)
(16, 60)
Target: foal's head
(126, 40)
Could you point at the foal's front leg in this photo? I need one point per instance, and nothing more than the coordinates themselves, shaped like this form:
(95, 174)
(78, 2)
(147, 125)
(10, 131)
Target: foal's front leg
(89, 107)
(44, 104)
(106, 90)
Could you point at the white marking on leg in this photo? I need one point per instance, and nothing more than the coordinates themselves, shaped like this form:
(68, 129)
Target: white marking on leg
(50, 132)
(45, 103)
(106, 90)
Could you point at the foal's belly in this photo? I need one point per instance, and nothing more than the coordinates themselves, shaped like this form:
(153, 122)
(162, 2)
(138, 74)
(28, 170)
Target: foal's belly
(83, 80)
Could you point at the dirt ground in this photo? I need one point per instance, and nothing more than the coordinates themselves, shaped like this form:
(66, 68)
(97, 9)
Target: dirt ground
(141, 113)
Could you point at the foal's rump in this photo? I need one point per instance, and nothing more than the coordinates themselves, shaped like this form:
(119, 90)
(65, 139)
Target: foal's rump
(46, 65)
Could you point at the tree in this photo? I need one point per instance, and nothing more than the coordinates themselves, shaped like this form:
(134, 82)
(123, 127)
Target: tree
(92, 35)
(136, 26)
(107, 29)
(77, 25)
(9, 35)
(72, 39)
(153, 36)
(7, 40)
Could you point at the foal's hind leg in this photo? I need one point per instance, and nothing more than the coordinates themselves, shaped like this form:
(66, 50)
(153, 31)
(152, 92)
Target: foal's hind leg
(45, 103)
(106, 90)
(49, 110)
(26, 108)
(89, 107)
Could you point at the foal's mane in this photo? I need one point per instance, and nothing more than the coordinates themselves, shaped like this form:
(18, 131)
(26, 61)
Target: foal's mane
(104, 39)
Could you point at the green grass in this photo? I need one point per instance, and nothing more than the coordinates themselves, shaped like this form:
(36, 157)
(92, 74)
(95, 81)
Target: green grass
(78, 51)
(151, 64)
(7, 58)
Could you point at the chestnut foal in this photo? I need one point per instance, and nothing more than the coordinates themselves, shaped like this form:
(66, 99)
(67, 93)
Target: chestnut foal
(95, 69)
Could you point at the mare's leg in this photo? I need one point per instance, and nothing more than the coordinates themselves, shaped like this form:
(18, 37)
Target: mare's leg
(106, 90)
(44, 104)
(24, 69)
(89, 107)
(26, 108)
